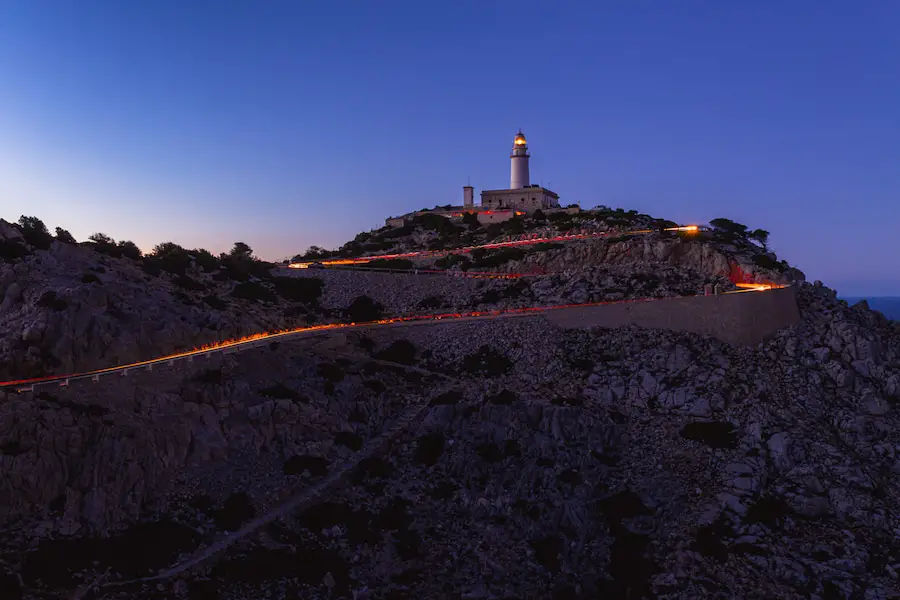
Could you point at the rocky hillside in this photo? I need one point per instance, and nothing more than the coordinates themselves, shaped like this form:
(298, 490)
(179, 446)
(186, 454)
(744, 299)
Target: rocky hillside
(537, 463)
(66, 307)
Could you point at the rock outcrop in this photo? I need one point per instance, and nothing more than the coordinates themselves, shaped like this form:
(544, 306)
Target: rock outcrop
(646, 252)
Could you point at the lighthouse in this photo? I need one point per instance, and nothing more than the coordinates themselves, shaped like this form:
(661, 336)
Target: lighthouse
(521, 195)
(518, 163)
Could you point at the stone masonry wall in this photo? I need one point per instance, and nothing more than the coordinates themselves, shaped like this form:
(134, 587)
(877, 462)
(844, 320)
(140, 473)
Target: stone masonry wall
(741, 319)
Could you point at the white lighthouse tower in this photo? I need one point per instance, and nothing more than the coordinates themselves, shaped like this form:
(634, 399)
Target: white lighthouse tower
(518, 159)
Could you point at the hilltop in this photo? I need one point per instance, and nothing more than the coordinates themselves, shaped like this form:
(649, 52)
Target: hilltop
(725, 249)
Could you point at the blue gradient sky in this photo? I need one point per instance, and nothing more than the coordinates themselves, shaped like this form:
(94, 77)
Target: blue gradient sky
(286, 124)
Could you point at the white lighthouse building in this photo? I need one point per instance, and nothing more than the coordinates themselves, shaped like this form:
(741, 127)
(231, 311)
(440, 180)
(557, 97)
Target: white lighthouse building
(499, 205)
(518, 163)
(521, 195)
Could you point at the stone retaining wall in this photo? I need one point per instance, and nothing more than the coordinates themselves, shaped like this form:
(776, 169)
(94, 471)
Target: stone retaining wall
(741, 319)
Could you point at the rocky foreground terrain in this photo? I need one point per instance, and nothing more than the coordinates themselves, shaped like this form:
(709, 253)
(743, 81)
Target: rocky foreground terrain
(492, 459)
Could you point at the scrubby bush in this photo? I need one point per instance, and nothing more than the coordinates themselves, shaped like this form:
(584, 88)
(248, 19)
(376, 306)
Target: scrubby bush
(210, 376)
(431, 303)
(279, 391)
(205, 259)
(514, 226)
(35, 232)
(150, 266)
(299, 289)
(11, 250)
(451, 260)
(486, 361)
(171, 257)
(767, 262)
(239, 263)
(498, 257)
(64, 236)
(401, 351)
(433, 222)
(50, 300)
(331, 372)
(398, 264)
(129, 249)
(364, 309)
(759, 235)
(214, 302)
(253, 291)
(471, 219)
(183, 281)
(104, 244)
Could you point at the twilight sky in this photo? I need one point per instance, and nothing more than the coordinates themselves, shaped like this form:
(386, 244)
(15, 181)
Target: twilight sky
(285, 124)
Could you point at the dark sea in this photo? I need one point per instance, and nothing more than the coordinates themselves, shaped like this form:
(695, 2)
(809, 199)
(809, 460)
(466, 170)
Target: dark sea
(889, 306)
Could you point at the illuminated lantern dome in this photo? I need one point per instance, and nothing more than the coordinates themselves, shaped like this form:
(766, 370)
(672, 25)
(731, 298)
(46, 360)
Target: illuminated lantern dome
(518, 158)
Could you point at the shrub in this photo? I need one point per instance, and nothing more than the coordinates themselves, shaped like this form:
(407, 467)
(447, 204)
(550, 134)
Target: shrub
(364, 309)
(104, 244)
(451, 260)
(89, 278)
(35, 232)
(471, 219)
(253, 291)
(49, 299)
(431, 303)
(348, 439)
(151, 267)
(331, 372)
(545, 246)
(205, 259)
(235, 512)
(215, 302)
(129, 249)
(447, 398)
(64, 236)
(183, 281)
(299, 289)
(539, 216)
(729, 226)
(172, 258)
(401, 351)
(433, 222)
(486, 361)
(767, 262)
(398, 264)
(499, 257)
(503, 397)
(11, 250)
(404, 231)
(279, 391)
(210, 376)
